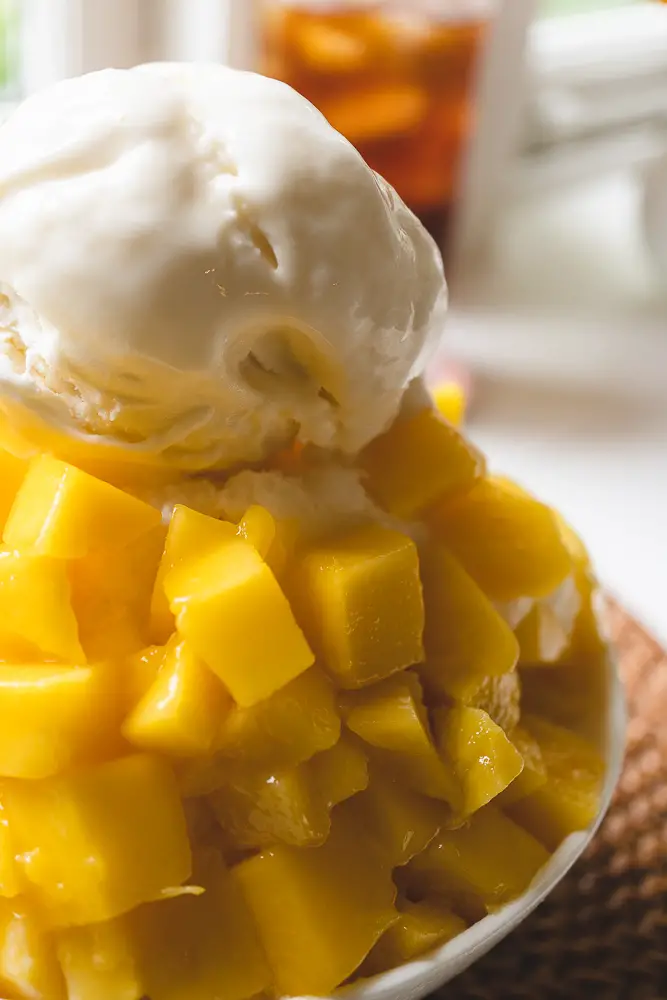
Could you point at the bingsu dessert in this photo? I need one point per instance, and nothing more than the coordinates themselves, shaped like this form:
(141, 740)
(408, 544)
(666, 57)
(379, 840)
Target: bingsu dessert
(291, 684)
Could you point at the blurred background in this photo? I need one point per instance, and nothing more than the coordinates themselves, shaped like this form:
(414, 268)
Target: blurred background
(531, 137)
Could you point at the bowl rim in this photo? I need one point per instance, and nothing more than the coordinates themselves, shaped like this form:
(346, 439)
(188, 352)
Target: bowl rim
(420, 976)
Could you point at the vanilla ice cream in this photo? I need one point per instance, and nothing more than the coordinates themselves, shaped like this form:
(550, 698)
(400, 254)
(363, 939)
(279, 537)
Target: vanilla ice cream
(196, 268)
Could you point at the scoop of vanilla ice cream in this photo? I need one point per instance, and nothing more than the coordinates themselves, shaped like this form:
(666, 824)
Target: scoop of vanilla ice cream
(195, 266)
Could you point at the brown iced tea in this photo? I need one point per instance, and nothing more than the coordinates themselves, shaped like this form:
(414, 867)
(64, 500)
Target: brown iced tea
(399, 84)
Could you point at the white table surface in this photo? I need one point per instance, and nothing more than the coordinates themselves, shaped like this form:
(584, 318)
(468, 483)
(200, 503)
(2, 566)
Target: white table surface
(566, 331)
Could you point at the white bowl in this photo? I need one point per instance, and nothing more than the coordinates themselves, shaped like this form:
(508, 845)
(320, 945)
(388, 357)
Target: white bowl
(415, 979)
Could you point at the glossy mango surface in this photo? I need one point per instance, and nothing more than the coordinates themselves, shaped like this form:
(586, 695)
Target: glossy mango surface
(223, 747)
(420, 460)
(63, 512)
(218, 604)
(362, 605)
(509, 542)
(319, 911)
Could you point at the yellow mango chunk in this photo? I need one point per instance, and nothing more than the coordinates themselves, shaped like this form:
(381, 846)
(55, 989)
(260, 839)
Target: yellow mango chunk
(419, 461)
(391, 716)
(29, 968)
(201, 947)
(88, 840)
(288, 727)
(272, 540)
(111, 593)
(12, 472)
(500, 698)
(570, 798)
(398, 822)
(101, 961)
(190, 537)
(420, 928)
(534, 773)
(259, 810)
(490, 858)
(360, 603)
(340, 772)
(478, 752)
(141, 670)
(466, 640)
(62, 512)
(508, 541)
(183, 710)
(283, 730)
(10, 881)
(195, 946)
(230, 608)
(52, 717)
(32, 583)
(450, 401)
(318, 911)
(258, 527)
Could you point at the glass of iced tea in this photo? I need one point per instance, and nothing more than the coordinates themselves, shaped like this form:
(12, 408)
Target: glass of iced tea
(396, 77)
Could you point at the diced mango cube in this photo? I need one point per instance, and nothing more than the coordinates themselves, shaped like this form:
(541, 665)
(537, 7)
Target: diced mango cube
(272, 540)
(111, 593)
(97, 842)
(29, 968)
(450, 400)
(279, 732)
(490, 858)
(360, 602)
(30, 583)
(194, 946)
(391, 716)
(230, 608)
(508, 541)
(259, 810)
(534, 773)
(202, 947)
(569, 695)
(318, 911)
(183, 710)
(588, 643)
(199, 776)
(258, 527)
(398, 822)
(65, 513)
(420, 460)
(466, 640)
(53, 716)
(478, 752)
(340, 772)
(570, 798)
(10, 881)
(12, 472)
(101, 961)
(500, 698)
(141, 670)
(291, 725)
(14, 649)
(420, 928)
(190, 537)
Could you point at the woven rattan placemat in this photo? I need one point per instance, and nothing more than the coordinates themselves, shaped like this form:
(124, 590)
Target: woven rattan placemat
(602, 934)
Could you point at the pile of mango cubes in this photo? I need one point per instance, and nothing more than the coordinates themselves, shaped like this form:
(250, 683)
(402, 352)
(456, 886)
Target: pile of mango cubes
(233, 762)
